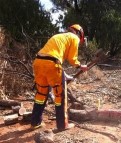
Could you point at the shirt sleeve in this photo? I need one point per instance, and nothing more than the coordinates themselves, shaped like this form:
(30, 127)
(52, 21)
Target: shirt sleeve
(73, 52)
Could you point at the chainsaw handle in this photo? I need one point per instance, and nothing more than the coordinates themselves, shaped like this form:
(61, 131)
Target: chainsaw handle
(89, 66)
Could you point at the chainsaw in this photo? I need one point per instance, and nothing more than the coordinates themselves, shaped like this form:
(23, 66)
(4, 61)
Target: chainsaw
(99, 57)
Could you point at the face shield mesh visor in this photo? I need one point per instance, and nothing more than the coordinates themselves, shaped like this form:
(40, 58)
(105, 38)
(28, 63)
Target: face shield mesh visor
(80, 33)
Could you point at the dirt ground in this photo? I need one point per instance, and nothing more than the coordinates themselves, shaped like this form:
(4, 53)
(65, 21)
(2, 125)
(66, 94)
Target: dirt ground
(103, 84)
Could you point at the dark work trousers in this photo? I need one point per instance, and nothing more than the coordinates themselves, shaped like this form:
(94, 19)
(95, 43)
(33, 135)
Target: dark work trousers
(61, 111)
(38, 109)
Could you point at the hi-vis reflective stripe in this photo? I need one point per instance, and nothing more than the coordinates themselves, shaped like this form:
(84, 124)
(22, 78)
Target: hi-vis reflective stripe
(39, 102)
(57, 104)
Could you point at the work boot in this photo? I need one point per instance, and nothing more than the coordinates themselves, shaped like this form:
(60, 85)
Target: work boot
(38, 126)
(70, 125)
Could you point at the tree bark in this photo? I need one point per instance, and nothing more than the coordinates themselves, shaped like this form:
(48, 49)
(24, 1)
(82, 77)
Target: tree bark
(9, 103)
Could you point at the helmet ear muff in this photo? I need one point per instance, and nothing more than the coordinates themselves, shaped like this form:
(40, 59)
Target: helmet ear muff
(80, 35)
(77, 32)
(70, 29)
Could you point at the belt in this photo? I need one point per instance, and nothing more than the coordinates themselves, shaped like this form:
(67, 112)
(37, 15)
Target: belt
(48, 58)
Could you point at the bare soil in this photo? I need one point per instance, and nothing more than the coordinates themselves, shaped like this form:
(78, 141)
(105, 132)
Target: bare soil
(102, 83)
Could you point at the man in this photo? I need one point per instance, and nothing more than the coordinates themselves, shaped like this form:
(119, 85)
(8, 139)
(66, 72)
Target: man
(48, 73)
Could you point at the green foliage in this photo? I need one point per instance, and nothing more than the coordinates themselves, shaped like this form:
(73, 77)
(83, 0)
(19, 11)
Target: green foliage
(100, 19)
(92, 45)
(26, 18)
(110, 35)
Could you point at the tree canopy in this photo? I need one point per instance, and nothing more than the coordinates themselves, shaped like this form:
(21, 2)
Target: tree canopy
(100, 19)
(26, 17)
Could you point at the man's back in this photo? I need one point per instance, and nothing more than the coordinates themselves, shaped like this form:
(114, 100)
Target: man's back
(60, 46)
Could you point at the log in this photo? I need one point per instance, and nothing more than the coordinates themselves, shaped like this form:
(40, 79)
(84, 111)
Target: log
(109, 115)
(82, 115)
(27, 116)
(9, 103)
(112, 115)
(19, 109)
(10, 119)
(16, 109)
(22, 111)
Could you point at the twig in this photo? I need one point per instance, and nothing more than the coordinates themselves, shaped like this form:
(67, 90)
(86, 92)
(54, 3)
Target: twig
(17, 62)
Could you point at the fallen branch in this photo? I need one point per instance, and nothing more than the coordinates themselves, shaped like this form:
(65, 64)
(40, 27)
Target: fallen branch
(72, 98)
(15, 60)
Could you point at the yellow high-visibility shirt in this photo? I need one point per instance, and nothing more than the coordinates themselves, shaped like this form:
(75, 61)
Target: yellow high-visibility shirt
(63, 46)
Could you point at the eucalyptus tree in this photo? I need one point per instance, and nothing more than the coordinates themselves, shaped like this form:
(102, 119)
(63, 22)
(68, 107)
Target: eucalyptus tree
(26, 17)
(101, 20)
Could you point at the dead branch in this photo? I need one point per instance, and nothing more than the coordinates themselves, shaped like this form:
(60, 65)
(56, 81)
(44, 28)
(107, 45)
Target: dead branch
(21, 74)
(15, 60)
(72, 98)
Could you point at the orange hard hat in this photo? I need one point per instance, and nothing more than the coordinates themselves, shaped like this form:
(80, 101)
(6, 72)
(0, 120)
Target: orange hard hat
(79, 30)
(77, 27)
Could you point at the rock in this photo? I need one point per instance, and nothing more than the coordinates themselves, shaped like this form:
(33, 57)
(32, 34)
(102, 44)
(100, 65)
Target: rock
(46, 136)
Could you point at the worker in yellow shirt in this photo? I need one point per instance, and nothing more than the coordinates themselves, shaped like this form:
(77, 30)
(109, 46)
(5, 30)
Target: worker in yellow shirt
(48, 72)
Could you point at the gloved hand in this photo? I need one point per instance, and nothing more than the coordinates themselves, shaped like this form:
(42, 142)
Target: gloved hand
(68, 77)
(84, 68)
